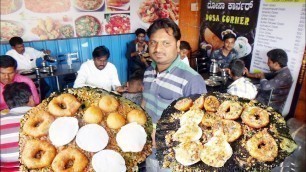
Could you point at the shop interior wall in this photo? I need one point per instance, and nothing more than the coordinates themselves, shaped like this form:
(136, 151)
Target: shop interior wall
(189, 22)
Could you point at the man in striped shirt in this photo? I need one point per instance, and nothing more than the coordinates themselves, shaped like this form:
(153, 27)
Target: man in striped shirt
(168, 78)
(19, 99)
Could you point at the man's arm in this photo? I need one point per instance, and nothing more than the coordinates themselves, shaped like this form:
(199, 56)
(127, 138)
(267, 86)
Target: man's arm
(81, 78)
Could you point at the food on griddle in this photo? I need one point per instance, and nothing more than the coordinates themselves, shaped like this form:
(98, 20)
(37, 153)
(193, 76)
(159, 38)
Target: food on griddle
(66, 139)
(216, 151)
(115, 120)
(63, 130)
(131, 137)
(38, 124)
(187, 133)
(108, 160)
(192, 117)
(229, 110)
(108, 104)
(198, 103)
(262, 146)
(211, 103)
(64, 105)
(255, 117)
(92, 138)
(93, 115)
(37, 154)
(183, 104)
(188, 153)
(70, 159)
(137, 116)
(231, 129)
(245, 140)
(209, 119)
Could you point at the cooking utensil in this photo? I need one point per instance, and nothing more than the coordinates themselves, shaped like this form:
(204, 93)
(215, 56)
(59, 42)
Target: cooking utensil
(214, 66)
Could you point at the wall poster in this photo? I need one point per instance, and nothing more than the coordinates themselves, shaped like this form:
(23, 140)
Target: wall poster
(57, 19)
(263, 25)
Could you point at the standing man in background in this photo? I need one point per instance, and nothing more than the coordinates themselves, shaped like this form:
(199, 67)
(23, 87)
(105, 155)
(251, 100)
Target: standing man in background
(168, 78)
(185, 50)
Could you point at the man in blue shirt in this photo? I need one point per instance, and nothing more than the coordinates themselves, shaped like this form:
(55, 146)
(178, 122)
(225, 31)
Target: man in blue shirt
(168, 78)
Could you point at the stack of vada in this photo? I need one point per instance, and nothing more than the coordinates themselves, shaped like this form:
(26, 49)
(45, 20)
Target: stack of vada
(82, 129)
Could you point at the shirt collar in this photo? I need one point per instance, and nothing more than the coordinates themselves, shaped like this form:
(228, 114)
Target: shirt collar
(174, 63)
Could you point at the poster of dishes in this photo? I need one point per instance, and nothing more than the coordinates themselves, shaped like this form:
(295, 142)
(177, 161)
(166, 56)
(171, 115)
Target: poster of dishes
(59, 19)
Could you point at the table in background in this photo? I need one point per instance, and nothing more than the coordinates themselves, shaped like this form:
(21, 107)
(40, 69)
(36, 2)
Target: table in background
(61, 70)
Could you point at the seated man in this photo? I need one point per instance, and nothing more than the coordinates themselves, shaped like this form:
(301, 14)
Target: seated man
(135, 49)
(19, 99)
(99, 72)
(8, 75)
(280, 76)
(185, 49)
(25, 56)
(240, 87)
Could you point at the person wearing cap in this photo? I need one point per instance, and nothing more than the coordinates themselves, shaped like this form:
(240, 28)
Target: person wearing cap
(227, 53)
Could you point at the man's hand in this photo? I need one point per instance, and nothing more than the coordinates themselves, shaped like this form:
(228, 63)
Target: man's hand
(121, 89)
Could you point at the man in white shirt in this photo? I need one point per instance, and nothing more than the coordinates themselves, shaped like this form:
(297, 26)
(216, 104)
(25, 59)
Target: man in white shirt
(99, 72)
(185, 49)
(25, 56)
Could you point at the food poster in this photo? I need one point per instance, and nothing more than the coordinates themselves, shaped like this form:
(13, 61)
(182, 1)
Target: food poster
(58, 19)
(238, 16)
(281, 25)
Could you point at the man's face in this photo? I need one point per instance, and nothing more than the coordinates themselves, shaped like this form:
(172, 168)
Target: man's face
(229, 44)
(272, 65)
(163, 47)
(141, 37)
(7, 75)
(100, 62)
(19, 48)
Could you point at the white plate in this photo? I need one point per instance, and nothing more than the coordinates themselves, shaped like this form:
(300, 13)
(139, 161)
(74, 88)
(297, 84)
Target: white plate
(82, 9)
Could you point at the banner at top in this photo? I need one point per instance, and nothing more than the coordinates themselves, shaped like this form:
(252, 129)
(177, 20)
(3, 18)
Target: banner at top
(237, 16)
(57, 19)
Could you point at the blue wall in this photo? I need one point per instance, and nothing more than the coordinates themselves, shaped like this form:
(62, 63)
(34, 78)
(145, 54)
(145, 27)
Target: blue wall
(85, 46)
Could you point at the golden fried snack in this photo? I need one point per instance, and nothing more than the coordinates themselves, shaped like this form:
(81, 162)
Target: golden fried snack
(255, 117)
(188, 153)
(137, 116)
(183, 104)
(38, 124)
(62, 161)
(198, 103)
(38, 154)
(115, 120)
(108, 103)
(93, 115)
(229, 110)
(209, 119)
(211, 103)
(64, 105)
(231, 129)
(262, 146)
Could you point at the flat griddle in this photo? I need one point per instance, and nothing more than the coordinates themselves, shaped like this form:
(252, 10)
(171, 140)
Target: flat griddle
(241, 159)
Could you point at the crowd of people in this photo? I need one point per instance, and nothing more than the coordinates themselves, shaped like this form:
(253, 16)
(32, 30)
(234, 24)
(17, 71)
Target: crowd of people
(153, 86)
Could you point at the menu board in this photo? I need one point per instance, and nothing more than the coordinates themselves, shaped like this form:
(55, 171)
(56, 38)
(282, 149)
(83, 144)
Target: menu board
(57, 19)
(281, 24)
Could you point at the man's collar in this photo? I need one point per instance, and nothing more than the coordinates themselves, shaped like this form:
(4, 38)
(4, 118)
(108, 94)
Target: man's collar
(174, 63)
